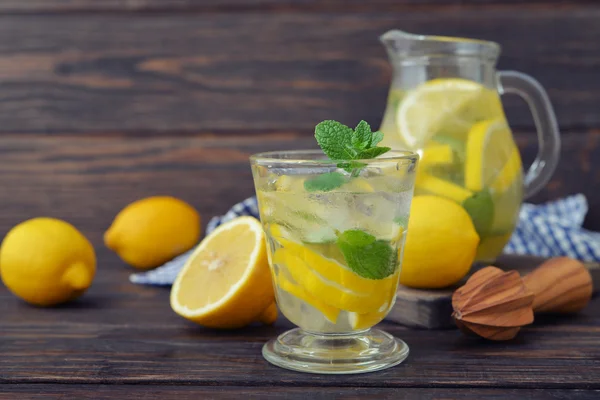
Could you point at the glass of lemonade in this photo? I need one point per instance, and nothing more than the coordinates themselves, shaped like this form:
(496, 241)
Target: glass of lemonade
(335, 254)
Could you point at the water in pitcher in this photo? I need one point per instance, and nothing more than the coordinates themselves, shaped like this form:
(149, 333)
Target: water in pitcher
(448, 110)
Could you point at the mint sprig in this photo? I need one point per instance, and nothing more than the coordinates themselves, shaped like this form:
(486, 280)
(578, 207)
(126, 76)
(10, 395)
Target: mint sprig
(342, 143)
(367, 256)
(345, 146)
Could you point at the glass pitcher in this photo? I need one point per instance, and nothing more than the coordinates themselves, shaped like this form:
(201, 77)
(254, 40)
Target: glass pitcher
(444, 103)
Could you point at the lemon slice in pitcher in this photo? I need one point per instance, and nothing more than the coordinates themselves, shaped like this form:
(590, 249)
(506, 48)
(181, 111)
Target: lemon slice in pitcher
(448, 103)
(439, 187)
(437, 154)
(510, 172)
(491, 156)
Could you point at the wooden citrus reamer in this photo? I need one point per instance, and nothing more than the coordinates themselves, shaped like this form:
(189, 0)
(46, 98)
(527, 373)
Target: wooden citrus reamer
(495, 304)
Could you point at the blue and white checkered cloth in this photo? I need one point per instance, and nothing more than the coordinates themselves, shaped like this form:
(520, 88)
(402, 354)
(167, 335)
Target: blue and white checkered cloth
(547, 230)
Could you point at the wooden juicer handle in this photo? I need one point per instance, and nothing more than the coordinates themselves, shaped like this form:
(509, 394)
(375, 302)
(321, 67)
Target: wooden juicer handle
(495, 304)
(560, 285)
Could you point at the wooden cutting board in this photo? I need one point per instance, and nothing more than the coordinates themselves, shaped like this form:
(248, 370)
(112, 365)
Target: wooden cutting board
(432, 309)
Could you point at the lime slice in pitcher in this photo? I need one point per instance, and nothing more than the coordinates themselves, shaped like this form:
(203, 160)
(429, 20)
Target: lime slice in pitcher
(447, 106)
(491, 156)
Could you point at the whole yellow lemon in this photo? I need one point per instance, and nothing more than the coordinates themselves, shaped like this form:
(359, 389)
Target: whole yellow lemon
(46, 261)
(441, 244)
(151, 231)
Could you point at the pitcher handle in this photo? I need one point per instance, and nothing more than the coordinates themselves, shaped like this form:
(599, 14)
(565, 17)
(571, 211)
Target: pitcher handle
(545, 123)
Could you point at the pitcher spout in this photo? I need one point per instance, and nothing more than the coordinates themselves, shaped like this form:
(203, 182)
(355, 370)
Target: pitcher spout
(400, 44)
(394, 34)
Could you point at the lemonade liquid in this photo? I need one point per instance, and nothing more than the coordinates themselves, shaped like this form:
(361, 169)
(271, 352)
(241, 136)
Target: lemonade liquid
(315, 288)
(467, 153)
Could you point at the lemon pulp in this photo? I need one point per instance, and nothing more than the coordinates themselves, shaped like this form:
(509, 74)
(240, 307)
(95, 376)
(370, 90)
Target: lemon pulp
(224, 285)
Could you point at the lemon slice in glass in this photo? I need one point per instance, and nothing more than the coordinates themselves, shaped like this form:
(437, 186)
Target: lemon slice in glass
(367, 320)
(331, 292)
(331, 313)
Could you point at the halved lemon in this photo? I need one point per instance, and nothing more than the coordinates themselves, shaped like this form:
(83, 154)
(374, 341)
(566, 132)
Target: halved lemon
(226, 282)
(445, 103)
(491, 156)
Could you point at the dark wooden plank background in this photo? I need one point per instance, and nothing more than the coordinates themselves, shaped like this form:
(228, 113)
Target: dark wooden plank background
(259, 5)
(204, 69)
(104, 102)
(49, 174)
(251, 71)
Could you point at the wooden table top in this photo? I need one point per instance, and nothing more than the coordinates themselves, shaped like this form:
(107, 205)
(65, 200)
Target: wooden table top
(122, 340)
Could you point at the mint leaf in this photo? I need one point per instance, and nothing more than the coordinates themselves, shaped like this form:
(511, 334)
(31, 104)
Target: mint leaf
(324, 182)
(345, 145)
(480, 207)
(376, 138)
(367, 256)
(335, 140)
(372, 152)
(352, 167)
(355, 237)
(341, 143)
(362, 136)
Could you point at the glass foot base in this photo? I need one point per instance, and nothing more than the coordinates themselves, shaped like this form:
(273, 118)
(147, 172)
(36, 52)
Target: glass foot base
(356, 353)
